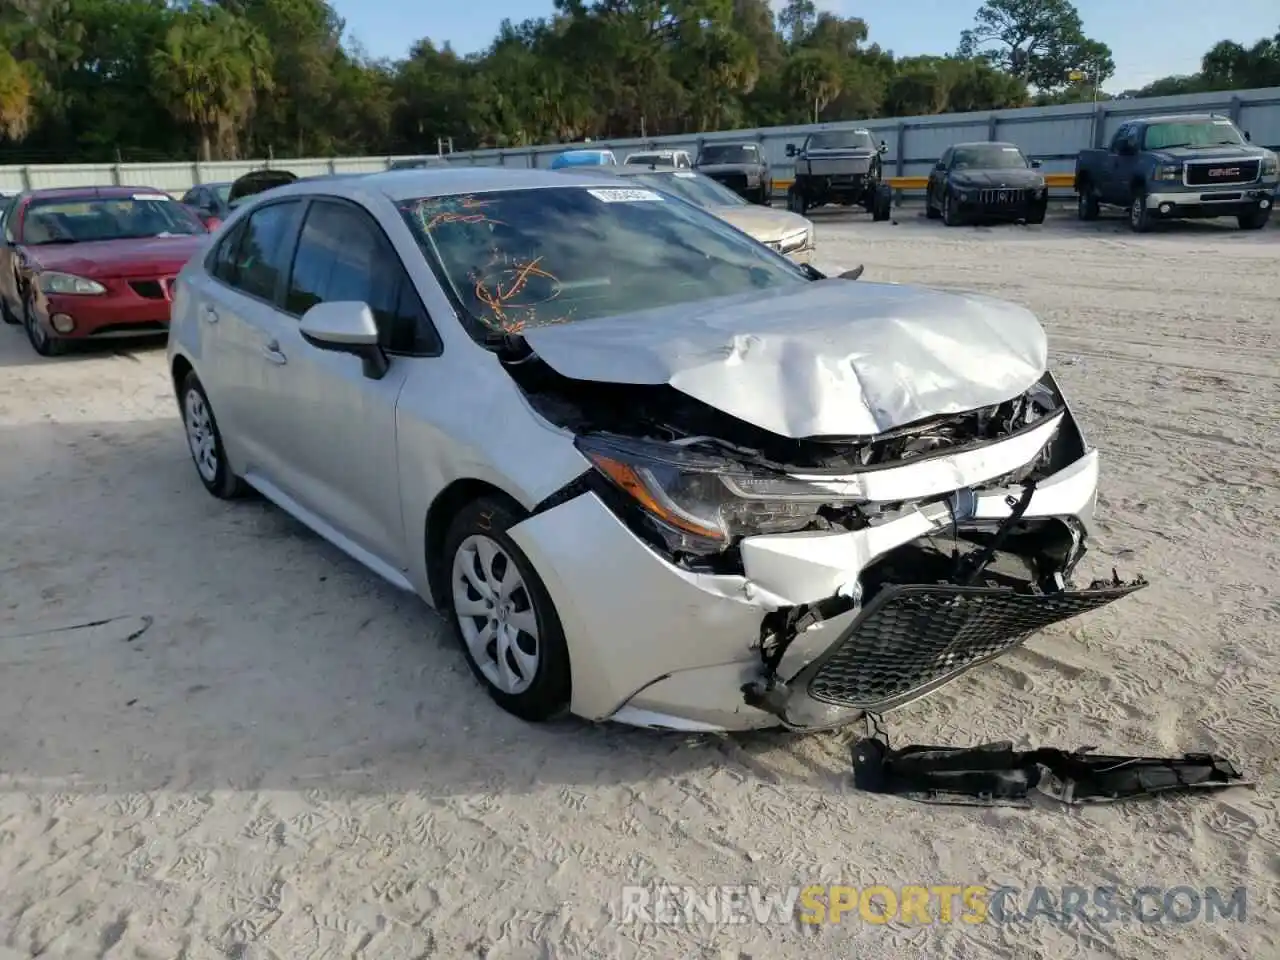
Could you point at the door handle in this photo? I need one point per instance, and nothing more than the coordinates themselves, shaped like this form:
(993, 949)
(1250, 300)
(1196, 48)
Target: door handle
(272, 352)
(208, 314)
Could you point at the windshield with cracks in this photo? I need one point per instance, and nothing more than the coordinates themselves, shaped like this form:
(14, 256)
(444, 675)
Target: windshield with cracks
(518, 259)
(841, 140)
(80, 220)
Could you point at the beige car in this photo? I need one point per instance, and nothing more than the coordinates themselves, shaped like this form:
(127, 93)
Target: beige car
(788, 233)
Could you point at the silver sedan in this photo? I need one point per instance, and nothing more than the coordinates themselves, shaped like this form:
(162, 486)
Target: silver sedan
(651, 470)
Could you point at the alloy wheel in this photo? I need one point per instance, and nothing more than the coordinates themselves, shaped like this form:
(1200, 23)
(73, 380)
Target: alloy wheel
(200, 435)
(495, 613)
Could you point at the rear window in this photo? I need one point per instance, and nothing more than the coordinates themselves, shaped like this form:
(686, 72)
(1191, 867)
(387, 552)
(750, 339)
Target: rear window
(84, 219)
(519, 259)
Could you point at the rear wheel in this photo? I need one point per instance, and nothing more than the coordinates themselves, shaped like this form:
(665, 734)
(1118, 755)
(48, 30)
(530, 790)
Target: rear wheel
(502, 613)
(204, 440)
(1087, 206)
(1254, 219)
(795, 200)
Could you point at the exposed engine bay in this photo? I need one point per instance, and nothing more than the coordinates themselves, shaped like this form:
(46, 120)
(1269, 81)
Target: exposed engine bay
(701, 487)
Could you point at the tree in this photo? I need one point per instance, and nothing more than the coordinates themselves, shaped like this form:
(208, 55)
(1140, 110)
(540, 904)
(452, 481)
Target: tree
(209, 70)
(1038, 41)
(814, 77)
(15, 98)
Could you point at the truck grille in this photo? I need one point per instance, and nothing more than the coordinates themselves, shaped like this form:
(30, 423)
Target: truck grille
(734, 181)
(1005, 197)
(912, 637)
(1233, 171)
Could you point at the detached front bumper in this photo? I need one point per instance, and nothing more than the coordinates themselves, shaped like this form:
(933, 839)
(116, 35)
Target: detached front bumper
(657, 645)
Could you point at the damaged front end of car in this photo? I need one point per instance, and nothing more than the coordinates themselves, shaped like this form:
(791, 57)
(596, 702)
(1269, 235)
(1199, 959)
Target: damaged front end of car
(881, 567)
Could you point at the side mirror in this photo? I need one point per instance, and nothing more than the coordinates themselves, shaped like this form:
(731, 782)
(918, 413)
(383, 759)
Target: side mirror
(212, 223)
(791, 149)
(940, 167)
(1248, 137)
(884, 147)
(1035, 164)
(346, 326)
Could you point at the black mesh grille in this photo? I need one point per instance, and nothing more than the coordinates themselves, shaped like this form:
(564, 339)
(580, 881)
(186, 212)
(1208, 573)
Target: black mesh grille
(1005, 197)
(912, 637)
(1235, 171)
(150, 289)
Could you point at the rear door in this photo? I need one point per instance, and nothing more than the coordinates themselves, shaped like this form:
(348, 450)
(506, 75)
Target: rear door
(9, 255)
(335, 427)
(235, 306)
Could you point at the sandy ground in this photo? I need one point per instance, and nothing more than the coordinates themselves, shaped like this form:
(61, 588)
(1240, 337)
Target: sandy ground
(221, 738)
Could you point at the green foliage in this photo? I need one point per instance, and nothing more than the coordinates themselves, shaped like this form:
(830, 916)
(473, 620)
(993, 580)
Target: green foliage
(103, 80)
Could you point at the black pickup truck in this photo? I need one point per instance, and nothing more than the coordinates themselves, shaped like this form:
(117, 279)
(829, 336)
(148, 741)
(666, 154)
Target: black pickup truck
(1179, 167)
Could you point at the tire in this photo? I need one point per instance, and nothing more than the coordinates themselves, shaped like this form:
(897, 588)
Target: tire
(529, 676)
(1139, 216)
(930, 211)
(204, 441)
(1254, 220)
(6, 314)
(949, 215)
(1087, 206)
(1036, 216)
(882, 205)
(795, 201)
(42, 341)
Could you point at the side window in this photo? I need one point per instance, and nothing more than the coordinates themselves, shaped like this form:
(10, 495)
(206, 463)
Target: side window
(1121, 135)
(222, 264)
(946, 158)
(7, 206)
(258, 259)
(343, 255)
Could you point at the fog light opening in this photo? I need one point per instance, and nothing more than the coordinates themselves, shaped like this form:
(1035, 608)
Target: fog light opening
(62, 322)
(1165, 208)
(1264, 204)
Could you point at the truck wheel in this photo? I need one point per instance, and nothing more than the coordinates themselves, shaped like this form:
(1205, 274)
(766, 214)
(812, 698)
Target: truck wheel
(882, 204)
(1254, 219)
(1087, 206)
(795, 200)
(766, 195)
(1139, 215)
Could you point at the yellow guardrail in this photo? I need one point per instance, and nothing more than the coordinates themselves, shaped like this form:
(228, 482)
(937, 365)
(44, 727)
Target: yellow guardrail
(1052, 180)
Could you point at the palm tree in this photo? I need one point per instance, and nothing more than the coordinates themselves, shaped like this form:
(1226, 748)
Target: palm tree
(15, 98)
(209, 71)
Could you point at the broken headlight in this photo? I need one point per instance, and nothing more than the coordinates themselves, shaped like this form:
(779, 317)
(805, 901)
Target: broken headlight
(703, 502)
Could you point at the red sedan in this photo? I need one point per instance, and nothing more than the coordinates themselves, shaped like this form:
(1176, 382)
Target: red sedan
(88, 263)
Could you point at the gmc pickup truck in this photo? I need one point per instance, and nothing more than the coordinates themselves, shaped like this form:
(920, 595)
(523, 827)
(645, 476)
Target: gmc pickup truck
(1179, 167)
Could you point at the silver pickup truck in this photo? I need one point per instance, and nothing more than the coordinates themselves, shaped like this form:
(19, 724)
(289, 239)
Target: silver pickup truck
(1179, 167)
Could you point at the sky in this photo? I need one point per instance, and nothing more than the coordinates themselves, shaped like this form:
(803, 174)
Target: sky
(1149, 40)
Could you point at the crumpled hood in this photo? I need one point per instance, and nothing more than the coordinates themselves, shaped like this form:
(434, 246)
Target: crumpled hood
(997, 178)
(763, 223)
(98, 259)
(831, 358)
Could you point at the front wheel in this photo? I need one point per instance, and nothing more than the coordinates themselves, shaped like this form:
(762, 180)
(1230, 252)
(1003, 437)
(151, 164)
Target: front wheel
(1254, 219)
(950, 216)
(1139, 215)
(881, 204)
(502, 613)
(1087, 206)
(204, 440)
(930, 211)
(42, 341)
(795, 201)
(1036, 216)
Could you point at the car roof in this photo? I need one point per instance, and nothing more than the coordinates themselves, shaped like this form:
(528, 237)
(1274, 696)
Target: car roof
(97, 193)
(442, 182)
(985, 143)
(1180, 118)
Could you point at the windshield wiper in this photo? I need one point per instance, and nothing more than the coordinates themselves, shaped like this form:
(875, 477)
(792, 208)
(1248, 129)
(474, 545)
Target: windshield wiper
(51, 242)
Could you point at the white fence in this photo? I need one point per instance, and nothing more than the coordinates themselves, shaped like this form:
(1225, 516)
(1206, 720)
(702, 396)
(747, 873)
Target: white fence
(1053, 135)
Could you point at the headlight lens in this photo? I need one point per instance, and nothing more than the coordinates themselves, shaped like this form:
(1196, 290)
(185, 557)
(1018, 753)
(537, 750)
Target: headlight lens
(1169, 171)
(1270, 165)
(66, 283)
(707, 501)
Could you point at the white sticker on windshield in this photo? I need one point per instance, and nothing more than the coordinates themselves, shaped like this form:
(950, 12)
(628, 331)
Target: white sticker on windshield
(626, 196)
(686, 175)
(151, 196)
(1009, 149)
(1223, 123)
